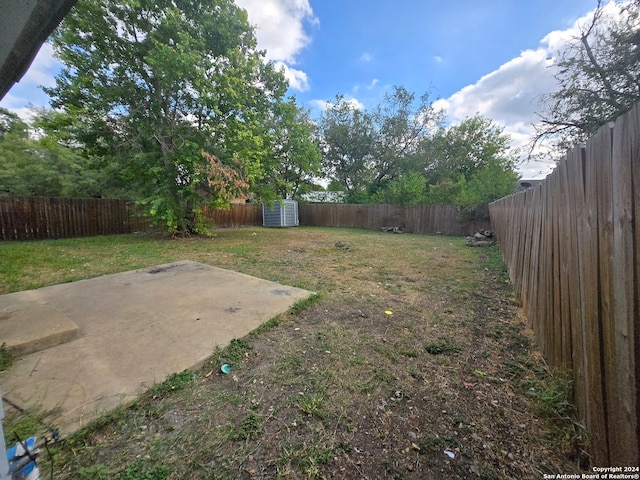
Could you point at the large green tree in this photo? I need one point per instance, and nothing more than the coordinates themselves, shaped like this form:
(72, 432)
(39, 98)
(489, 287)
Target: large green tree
(464, 149)
(40, 167)
(401, 123)
(469, 164)
(401, 153)
(365, 151)
(173, 93)
(347, 139)
(408, 188)
(294, 160)
(598, 76)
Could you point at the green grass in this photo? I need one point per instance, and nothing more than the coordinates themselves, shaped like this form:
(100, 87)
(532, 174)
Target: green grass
(330, 388)
(95, 472)
(22, 425)
(138, 470)
(313, 404)
(28, 265)
(441, 346)
(6, 357)
(552, 396)
(249, 428)
(234, 353)
(175, 381)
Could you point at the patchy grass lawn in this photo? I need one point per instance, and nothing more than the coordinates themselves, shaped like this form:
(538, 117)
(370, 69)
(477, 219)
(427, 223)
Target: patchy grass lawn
(413, 362)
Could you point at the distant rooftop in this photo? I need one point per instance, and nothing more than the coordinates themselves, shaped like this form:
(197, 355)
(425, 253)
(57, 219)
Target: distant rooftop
(324, 197)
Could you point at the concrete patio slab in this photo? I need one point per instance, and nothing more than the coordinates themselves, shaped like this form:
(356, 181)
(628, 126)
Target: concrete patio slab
(133, 329)
(28, 326)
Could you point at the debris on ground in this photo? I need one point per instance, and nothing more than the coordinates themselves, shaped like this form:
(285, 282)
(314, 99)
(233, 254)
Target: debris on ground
(482, 238)
(342, 246)
(392, 229)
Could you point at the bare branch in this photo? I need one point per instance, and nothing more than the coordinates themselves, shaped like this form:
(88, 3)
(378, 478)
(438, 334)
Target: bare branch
(604, 76)
(598, 76)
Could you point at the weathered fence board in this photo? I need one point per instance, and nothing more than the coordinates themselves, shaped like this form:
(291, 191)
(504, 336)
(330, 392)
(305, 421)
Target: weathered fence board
(624, 312)
(635, 176)
(595, 416)
(31, 218)
(430, 219)
(35, 218)
(605, 187)
(240, 214)
(578, 232)
(578, 278)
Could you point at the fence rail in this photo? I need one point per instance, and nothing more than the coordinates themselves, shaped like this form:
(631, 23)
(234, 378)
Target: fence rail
(572, 247)
(35, 218)
(429, 219)
(239, 215)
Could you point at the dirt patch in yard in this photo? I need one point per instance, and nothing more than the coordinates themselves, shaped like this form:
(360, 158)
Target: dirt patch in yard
(412, 362)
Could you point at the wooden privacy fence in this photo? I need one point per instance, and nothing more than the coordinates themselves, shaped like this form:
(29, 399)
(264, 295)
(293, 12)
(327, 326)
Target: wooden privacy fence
(240, 214)
(33, 218)
(572, 247)
(430, 219)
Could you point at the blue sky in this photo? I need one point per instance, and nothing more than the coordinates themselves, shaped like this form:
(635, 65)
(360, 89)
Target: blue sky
(492, 57)
(423, 45)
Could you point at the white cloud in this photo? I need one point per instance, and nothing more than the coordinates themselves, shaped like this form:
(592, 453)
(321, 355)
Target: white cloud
(43, 68)
(355, 103)
(297, 79)
(370, 86)
(508, 94)
(366, 57)
(12, 102)
(535, 169)
(511, 95)
(438, 58)
(323, 105)
(26, 114)
(42, 71)
(26, 91)
(280, 31)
